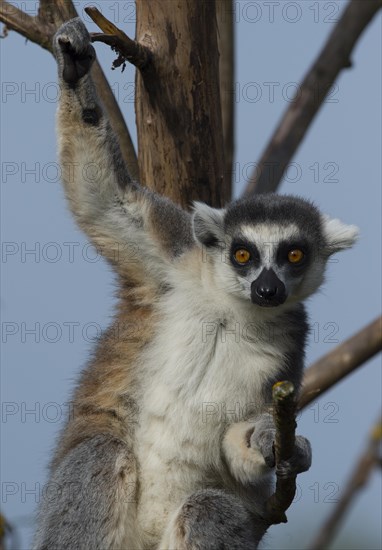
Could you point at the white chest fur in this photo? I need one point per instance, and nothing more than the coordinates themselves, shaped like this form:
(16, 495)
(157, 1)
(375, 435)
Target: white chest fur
(204, 369)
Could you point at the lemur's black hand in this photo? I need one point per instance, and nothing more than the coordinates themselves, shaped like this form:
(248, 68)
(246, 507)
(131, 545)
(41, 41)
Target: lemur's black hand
(299, 462)
(263, 439)
(73, 50)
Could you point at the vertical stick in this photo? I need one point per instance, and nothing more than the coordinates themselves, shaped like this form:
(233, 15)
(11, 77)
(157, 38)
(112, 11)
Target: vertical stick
(284, 413)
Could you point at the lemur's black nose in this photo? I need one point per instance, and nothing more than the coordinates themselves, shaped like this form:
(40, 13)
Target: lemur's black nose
(266, 292)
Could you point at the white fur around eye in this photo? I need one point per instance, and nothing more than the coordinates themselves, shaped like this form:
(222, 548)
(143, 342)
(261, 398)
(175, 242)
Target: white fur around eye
(267, 237)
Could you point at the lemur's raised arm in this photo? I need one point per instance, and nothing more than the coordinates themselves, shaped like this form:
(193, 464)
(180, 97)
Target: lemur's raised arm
(132, 226)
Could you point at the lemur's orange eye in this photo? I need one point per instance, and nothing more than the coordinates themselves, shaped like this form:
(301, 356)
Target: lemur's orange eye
(295, 256)
(242, 256)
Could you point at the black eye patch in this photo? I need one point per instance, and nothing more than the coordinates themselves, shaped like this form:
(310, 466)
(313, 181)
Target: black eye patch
(238, 244)
(287, 246)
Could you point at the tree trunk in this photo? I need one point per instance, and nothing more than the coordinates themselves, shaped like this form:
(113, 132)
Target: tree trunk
(179, 120)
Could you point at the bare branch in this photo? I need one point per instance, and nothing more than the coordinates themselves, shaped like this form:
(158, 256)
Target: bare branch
(45, 9)
(56, 11)
(334, 57)
(128, 49)
(358, 479)
(117, 120)
(40, 29)
(340, 362)
(284, 413)
(224, 16)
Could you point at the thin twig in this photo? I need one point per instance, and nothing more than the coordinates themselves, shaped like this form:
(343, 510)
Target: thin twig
(358, 479)
(128, 49)
(284, 413)
(334, 57)
(340, 362)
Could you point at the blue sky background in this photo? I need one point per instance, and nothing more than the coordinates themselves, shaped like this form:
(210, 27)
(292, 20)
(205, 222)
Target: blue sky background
(64, 292)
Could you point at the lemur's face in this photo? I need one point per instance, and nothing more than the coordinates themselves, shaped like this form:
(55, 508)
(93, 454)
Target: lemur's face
(271, 250)
(270, 262)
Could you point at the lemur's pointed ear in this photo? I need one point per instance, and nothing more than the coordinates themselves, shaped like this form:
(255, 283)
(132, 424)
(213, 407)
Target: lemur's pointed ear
(208, 224)
(338, 236)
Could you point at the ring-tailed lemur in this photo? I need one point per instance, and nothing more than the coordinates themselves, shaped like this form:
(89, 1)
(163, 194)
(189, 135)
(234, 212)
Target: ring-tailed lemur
(170, 442)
